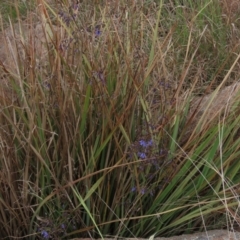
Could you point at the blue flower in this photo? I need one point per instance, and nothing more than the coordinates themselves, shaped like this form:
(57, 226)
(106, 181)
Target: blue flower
(143, 143)
(146, 144)
(133, 189)
(45, 234)
(143, 191)
(97, 32)
(150, 143)
(142, 155)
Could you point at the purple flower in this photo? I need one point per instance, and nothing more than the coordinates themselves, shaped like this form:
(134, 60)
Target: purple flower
(150, 143)
(146, 144)
(133, 189)
(97, 32)
(142, 155)
(143, 143)
(143, 191)
(45, 234)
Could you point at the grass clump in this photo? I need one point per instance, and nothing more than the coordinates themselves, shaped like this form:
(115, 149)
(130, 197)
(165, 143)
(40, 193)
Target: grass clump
(94, 127)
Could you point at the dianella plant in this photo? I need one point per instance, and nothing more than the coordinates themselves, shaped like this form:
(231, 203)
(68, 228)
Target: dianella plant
(98, 133)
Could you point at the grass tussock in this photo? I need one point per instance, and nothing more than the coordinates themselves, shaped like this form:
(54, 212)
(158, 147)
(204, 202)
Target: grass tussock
(94, 136)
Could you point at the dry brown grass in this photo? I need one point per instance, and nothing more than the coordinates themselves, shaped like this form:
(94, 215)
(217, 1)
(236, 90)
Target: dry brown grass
(230, 9)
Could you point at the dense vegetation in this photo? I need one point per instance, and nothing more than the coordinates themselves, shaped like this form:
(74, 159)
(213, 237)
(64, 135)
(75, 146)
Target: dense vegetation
(96, 141)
